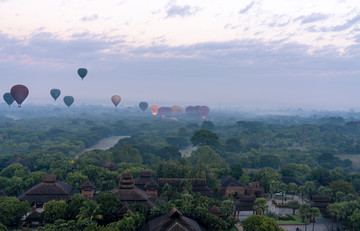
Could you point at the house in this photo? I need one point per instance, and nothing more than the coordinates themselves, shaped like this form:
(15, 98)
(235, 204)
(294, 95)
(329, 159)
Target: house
(198, 184)
(173, 221)
(88, 190)
(231, 188)
(320, 202)
(130, 194)
(49, 189)
(108, 165)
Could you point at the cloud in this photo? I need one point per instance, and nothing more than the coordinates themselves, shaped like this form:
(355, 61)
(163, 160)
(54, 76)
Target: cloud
(314, 17)
(247, 8)
(347, 25)
(182, 11)
(90, 18)
(230, 71)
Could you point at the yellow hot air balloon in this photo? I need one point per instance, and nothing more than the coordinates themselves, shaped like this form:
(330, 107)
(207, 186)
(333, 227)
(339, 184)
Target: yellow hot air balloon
(154, 109)
(115, 99)
(177, 110)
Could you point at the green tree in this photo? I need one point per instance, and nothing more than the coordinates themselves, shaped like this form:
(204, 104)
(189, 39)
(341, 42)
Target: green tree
(260, 223)
(110, 205)
(342, 186)
(292, 188)
(355, 219)
(126, 154)
(304, 212)
(76, 179)
(89, 211)
(55, 210)
(205, 155)
(265, 176)
(314, 213)
(294, 204)
(260, 206)
(236, 170)
(227, 207)
(12, 210)
(168, 153)
(73, 208)
(205, 137)
(15, 170)
(207, 125)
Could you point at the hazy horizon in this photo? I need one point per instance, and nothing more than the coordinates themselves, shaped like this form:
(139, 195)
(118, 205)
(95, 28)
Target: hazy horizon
(257, 54)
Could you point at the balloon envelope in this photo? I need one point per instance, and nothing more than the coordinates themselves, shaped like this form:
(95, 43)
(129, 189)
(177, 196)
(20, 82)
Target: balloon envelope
(115, 99)
(143, 106)
(19, 93)
(165, 111)
(68, 100)
(154, 109)
(55, 93)
(8, 98)
(177, 110)
(82, 72)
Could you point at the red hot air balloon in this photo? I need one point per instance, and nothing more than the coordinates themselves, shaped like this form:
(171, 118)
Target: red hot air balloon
(204, 111)
(115, 99)
(19, 93)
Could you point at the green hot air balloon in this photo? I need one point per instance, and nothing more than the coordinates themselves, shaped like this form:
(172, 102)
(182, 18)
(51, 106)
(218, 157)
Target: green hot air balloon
(8, 98)
(143, 106)
(68, 100)
(55, 93)
(82, 72)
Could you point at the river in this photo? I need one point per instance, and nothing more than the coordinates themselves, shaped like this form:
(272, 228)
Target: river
(105, 143)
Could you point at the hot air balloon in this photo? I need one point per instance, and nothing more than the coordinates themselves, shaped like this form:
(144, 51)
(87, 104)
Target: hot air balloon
(115, 99)
(177, 110)
(19, 93)
(55, 93)
(204, 111)
(82, 72)
(165, 111)
(143, 106)
(68, 100)
(154, 109)
(8, 98)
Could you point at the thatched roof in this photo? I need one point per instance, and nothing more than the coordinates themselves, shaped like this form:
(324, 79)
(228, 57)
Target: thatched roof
(143, 179)
(172, 221)
(198, 184)
(289, 179)
(216, 211)
(87, 186)
(151, 185)
(228, 181)
(321, 199)
(109, 165)
(49, 189)
(129, 193)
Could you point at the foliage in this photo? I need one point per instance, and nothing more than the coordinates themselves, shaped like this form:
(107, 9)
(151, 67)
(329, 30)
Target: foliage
(205, 137)
(12, 210)
(265, 176)
(260, 223)
(55, 210)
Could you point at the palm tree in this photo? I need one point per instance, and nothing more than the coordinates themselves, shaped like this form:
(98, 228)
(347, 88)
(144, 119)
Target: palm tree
(314, 213)
(304, 211)
(89, 211)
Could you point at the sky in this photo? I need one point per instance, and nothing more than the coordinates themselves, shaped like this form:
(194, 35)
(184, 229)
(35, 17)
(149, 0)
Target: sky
(234, 53)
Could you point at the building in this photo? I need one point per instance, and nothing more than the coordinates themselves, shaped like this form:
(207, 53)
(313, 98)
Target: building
(49, 189)
(231, 188)
(198, 184)
(173, 221)
(320, 202)
(130, 194)
(88, 190)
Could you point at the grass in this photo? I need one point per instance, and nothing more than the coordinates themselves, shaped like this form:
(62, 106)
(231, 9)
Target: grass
(298, 221)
